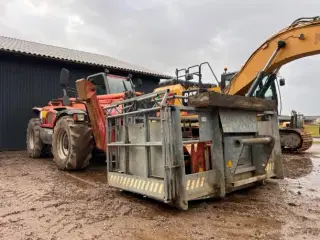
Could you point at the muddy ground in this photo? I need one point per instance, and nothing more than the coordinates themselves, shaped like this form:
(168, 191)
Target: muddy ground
(39, 202)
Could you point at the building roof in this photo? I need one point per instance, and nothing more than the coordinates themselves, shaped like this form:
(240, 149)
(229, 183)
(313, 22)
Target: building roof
(311, 118)
(43, 50)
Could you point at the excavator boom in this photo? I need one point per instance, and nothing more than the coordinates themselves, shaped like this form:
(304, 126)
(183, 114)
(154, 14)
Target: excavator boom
(300, 39)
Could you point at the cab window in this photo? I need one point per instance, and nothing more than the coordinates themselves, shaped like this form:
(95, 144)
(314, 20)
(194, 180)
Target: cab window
(116, 84)
(98, 81)
(269, 93)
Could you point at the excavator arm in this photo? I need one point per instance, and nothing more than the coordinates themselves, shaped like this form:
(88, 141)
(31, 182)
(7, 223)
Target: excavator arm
(300, 39)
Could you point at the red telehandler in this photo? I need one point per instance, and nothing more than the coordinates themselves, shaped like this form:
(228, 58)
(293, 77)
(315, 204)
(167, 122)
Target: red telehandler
(63, 127)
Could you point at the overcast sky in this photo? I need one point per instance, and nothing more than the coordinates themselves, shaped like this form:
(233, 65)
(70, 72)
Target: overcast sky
(167, 34)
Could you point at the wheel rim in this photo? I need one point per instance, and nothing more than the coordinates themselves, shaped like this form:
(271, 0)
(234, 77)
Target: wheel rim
(63, 144)
(31, 139)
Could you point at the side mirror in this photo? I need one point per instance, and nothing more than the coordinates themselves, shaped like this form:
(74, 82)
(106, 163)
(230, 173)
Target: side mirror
(64, 77)
(282, 82)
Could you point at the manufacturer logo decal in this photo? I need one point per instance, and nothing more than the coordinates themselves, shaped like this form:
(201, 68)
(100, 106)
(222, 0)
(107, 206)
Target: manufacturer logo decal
(187, 94)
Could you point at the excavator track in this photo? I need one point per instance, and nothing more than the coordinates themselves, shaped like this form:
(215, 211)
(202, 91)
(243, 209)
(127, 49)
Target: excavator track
(295, 140)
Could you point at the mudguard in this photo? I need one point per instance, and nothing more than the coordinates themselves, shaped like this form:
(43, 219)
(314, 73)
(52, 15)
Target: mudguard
(68, 112)
(36, 112)
(36, 109)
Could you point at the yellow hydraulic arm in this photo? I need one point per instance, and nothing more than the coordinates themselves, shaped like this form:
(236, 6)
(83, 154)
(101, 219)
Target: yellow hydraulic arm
(300, 39)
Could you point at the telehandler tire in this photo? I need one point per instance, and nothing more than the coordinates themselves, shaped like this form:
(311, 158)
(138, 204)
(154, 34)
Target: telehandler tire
(35, 147)
(72, 144)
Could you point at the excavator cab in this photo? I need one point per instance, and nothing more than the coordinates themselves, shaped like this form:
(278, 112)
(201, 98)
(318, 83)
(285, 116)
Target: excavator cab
(297, 120)
(226, 78)
(266, 89)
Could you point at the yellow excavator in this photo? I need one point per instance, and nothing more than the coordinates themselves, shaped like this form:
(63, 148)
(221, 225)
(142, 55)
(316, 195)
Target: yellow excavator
(291, 129)
(258, 76)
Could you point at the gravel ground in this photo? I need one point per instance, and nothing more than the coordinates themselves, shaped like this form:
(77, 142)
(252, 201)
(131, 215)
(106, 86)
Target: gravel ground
(39, 202)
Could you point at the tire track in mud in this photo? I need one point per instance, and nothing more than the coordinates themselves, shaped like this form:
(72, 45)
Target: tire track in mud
(29, 202)
(39, 202)
(69, 208)
(34, 210)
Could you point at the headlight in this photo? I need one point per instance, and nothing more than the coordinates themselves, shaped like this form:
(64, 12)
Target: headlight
(79, 117)
(43, 114)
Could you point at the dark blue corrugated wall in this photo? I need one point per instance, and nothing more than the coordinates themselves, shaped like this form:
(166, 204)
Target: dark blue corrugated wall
(26, 82)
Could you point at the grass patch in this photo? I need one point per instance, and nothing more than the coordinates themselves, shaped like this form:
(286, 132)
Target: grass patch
(312, 129)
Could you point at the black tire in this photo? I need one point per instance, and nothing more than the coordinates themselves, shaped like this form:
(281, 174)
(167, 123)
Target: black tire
(35, 146)
(72, 144)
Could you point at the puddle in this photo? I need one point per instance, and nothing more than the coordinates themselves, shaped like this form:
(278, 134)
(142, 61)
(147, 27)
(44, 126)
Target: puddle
(308, 185)
(302, 194)
(297, 166)
(303, 174)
